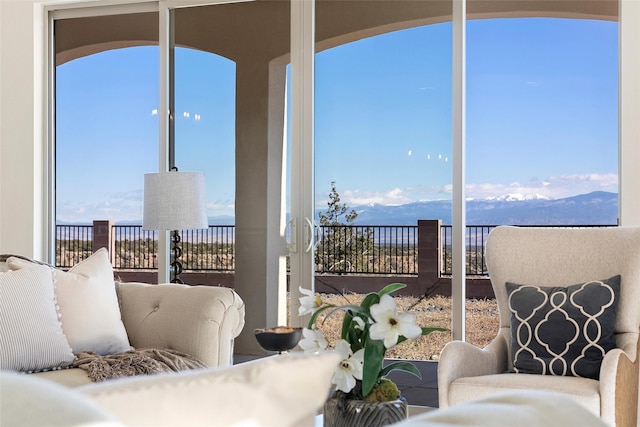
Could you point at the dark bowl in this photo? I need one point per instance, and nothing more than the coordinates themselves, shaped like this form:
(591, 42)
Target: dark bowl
(281, 338)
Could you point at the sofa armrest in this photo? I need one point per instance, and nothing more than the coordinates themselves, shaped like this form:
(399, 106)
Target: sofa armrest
(460, 359)
(201, 321)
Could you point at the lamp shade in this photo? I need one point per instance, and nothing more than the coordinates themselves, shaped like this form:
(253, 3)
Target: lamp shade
(174, 201)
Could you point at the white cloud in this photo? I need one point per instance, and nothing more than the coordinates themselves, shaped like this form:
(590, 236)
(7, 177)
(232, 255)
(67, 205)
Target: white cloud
(221, 208)
(394, 196)
(121, 206)
(555, 187)
(551, 188)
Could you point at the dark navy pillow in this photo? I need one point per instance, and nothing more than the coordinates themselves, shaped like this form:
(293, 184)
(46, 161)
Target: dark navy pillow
(563, 330)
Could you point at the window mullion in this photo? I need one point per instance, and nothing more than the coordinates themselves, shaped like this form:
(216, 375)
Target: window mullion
(458, 279)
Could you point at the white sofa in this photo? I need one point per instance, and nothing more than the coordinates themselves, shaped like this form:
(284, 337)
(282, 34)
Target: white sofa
(101, 315)
(201, 321)
(279, 391)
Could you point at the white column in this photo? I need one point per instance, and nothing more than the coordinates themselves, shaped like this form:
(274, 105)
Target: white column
(164, 75)
(458, 261)
(302, 187)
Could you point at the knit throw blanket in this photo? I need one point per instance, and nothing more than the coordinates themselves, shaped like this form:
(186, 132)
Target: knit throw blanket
(134, 362)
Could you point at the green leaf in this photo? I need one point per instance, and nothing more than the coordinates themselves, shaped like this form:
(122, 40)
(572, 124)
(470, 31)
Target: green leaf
(346, 327)
(315, 314)
(373, 357)
(427, 331)
(391, 288)
(401, 366)
(369, 300)
(347, 308)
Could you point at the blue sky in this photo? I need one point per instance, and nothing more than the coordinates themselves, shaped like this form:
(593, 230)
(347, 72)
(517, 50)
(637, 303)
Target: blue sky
(541, 118)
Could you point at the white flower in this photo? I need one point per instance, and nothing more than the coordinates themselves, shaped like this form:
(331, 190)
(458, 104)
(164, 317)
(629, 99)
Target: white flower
(308, 303)
(313, 340)
(349, 369)
(389, 326)
(359, 323)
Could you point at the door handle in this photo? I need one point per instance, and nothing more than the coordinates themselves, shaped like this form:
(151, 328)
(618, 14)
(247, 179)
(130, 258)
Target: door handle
(308, 234)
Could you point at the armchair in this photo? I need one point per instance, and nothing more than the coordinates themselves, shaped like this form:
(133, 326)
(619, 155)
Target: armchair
(555, 257)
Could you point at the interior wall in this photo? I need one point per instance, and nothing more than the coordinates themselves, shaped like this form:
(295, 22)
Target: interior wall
(22, 142)
(629, 133)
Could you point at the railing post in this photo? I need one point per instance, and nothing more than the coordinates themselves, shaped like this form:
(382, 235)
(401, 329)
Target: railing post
(102, 236)
(429, 252)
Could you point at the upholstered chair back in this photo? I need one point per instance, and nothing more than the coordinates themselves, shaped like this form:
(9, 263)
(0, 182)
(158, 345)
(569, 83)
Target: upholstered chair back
(567, 256)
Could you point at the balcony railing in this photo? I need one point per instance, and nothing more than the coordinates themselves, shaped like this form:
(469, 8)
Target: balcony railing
(73, 244)
(212, 249)
(368, 250)
(475, 241)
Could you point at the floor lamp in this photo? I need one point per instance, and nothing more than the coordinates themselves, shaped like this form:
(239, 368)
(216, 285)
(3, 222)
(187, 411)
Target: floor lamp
(174, 201)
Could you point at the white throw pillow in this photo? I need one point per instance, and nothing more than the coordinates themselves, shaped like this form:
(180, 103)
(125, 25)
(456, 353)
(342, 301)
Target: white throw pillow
(286, 390)
(31, 337)
(27, 400)
(88, 302)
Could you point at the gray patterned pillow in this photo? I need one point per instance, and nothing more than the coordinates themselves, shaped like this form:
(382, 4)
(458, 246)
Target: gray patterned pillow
(563, 330)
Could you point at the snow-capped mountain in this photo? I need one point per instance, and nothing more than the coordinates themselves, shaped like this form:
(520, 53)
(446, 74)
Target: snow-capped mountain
(511, 197)
(597, 208)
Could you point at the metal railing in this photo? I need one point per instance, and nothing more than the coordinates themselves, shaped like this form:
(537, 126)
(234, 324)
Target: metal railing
(475, 242)
(73, 244)
(366, 249)
(342, 249)
(133, 248)
(212, 249)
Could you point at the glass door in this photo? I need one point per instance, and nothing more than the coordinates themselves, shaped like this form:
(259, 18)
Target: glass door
(106, 134)
(377, 170)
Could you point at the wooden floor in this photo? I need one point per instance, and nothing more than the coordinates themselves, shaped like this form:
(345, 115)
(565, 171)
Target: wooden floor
(418, 392)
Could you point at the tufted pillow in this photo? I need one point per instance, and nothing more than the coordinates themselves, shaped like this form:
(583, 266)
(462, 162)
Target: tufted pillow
(88, 304)
(31, 337)
(563, 330)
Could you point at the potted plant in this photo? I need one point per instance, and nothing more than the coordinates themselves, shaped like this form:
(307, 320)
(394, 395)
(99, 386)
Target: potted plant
(368, 330)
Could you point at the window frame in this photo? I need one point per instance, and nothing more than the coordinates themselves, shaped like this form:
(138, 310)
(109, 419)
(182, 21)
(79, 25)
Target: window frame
(629, 108)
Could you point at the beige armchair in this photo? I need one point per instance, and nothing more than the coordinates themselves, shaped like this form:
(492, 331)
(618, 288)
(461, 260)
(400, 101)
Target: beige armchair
(549, 257)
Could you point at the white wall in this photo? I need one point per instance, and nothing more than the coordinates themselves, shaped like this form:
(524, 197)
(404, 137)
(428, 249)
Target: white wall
(630, 112)
(1, 180)
(21, 137)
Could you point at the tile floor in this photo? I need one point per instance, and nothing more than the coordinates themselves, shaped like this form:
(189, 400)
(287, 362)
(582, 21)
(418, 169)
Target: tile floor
(419, 392)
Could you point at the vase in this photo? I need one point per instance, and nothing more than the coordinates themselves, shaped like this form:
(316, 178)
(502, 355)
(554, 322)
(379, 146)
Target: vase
(340, 412)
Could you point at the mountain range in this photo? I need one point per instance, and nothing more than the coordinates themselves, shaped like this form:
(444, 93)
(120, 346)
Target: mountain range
(596, 208)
